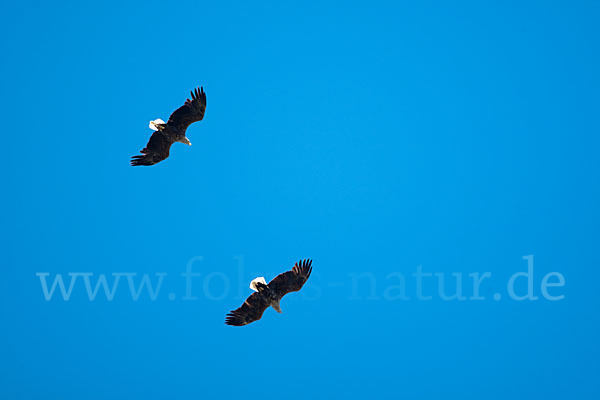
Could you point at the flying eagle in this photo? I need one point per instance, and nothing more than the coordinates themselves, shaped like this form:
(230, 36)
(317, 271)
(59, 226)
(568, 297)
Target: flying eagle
(269, 295)
(173, 131)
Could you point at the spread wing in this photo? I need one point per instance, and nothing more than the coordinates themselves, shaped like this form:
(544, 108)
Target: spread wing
(155, 151)
(192, 111)
(293, 280)
(252, 310)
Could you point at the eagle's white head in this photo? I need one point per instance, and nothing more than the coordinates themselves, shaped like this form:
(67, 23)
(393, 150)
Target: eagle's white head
(260, 279)
(154, 124)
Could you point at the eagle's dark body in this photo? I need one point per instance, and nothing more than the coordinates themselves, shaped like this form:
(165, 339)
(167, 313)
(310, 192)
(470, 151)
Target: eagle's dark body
(270, 295)
(173, 130)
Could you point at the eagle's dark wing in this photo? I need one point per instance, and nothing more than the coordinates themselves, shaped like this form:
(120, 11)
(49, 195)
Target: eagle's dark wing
(192, 111)
(293, 280)
(155, 151)
(252, 310)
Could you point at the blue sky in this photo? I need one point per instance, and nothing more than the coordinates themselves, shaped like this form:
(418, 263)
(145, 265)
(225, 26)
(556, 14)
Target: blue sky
(371, 137)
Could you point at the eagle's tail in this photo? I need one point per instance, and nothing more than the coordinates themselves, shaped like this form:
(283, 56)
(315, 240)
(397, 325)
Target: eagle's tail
(157, 124)
(256, 281)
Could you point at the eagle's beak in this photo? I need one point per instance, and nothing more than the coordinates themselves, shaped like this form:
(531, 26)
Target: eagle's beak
(186, 141)
(277, 308)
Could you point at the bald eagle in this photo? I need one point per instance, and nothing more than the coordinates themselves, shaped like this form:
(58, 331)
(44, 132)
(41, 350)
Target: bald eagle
(173, 131)
(269, 295)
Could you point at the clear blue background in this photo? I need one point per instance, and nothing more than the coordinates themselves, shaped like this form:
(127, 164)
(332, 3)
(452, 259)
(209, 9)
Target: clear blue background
(370, 137)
